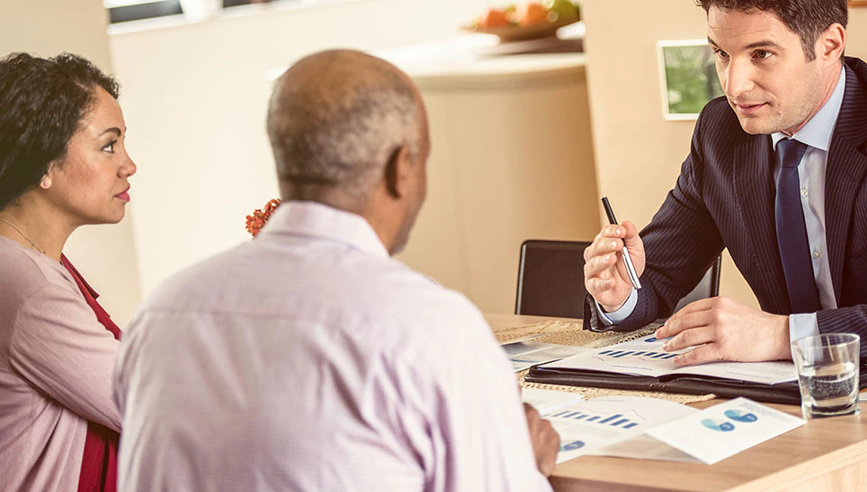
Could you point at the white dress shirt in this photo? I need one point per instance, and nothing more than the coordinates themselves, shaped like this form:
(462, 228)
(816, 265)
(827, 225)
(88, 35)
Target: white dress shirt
(816, 134)
(309, 360)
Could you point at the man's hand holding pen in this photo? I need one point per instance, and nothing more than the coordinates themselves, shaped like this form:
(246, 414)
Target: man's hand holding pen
(605, 274)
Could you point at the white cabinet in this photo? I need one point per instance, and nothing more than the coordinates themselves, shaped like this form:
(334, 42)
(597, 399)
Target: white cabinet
(512, 159)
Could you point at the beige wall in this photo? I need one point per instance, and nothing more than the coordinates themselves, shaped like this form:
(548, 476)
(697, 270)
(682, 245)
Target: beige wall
(195, 100)
(104, 254)
(857, 42)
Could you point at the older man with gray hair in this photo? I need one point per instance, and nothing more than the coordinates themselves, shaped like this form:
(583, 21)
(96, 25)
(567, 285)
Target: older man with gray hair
(308, 359)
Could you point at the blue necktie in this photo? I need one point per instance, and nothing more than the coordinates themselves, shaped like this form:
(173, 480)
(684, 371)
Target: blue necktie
(792, 231)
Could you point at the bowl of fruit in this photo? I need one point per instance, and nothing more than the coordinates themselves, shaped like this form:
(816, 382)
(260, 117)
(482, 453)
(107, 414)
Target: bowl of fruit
(530, 20)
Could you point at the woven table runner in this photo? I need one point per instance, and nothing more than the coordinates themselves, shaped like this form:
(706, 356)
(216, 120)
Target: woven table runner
(572, 333)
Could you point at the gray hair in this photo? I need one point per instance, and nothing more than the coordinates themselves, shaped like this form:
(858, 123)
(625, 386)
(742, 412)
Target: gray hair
(336, 118)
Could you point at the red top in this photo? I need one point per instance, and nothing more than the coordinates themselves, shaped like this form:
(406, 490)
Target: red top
(99, 466)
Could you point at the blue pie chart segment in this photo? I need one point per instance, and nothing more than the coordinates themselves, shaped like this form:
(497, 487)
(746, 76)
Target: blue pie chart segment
(741, 417)
(572, 446)
(718, 425)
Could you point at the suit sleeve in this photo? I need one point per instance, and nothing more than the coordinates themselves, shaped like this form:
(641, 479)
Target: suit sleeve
(681, 243)
(851, 319)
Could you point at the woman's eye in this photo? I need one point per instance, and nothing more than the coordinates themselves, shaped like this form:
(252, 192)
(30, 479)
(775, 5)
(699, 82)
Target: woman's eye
(109, 147)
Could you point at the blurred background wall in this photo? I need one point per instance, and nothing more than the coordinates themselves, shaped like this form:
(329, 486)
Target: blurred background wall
(196, 96)
(195, 93)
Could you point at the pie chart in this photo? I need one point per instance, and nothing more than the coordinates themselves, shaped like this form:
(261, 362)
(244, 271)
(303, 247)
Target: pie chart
(741, 417)
(572, 446)
(718, 425)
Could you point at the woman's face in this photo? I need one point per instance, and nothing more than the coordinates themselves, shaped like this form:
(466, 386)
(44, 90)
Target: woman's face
(90, 185)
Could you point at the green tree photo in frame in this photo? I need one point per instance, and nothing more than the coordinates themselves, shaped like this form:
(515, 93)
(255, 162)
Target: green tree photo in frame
(689, 78)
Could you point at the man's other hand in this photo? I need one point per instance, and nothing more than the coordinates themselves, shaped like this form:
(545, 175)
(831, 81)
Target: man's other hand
(546, 441)
(605, 276)
(723, 329)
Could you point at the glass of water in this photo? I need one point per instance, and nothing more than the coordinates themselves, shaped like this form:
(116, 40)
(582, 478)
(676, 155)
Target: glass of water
(828, 374)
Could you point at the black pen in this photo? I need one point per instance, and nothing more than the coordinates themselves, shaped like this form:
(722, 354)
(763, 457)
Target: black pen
(630, 268)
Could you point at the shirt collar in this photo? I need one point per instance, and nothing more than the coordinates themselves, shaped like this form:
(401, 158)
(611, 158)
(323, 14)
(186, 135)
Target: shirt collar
(818, 130)
(317, 220)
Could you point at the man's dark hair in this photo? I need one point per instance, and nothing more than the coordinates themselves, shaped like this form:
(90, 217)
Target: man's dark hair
(806, 18)
(42, 102)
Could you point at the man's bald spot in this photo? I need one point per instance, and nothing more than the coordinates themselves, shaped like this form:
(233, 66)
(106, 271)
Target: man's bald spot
(340, 75)
(335, 117)
(325, 83)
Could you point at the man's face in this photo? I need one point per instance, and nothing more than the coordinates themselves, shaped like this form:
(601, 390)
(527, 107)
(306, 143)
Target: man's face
(763, 71)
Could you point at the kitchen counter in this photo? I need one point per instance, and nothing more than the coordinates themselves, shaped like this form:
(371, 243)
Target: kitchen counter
(479, 60)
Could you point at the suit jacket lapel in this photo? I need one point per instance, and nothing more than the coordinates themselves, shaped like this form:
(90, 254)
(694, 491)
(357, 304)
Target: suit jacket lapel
(845, 171)
(754, 184)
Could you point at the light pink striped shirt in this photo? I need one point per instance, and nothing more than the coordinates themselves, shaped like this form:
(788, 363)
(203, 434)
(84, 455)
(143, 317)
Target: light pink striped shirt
(308, 360)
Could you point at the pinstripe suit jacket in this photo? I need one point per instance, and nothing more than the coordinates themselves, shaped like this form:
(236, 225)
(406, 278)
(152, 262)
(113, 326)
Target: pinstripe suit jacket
(724, 198)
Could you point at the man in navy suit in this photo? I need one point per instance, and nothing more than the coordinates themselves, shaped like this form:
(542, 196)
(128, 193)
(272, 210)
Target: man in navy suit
(776, 175)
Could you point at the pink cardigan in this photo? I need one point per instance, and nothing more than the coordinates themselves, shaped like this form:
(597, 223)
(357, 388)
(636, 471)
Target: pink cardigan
(56, 366)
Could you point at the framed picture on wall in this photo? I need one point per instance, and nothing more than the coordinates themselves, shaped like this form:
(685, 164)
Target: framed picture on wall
(688, 77)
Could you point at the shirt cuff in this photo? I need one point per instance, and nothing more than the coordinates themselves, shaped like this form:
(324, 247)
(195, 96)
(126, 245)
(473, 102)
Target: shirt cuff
(802, 325)
(621, 314)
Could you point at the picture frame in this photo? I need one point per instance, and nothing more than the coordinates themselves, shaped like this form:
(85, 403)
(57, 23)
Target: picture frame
(688, 77)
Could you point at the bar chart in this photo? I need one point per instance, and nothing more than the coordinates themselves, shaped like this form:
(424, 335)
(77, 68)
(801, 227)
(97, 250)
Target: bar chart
(613, 420)
(646, 355)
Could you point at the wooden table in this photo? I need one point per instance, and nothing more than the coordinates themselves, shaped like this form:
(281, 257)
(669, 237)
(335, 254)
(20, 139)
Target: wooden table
(825, 454)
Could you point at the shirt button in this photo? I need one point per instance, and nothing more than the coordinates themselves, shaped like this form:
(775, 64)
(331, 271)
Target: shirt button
(817, 254)
(804, 192)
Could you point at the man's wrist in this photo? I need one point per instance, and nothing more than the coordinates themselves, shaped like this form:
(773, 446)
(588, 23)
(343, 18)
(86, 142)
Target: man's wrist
(618, 315)
(608, 309)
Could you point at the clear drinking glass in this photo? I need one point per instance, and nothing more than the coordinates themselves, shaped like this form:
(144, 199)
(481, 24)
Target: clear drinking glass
(828, 374)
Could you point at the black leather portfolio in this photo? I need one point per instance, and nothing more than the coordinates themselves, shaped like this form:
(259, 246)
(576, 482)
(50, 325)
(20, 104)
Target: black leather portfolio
(785, 393)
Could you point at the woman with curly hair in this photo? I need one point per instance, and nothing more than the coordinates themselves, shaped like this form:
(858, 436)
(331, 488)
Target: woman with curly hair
(63, 164)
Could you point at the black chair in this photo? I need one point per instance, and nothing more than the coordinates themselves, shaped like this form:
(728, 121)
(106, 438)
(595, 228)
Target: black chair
(551, 279)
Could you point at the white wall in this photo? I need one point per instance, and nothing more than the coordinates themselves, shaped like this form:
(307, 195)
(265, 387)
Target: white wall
(105, 255)
(195, 96)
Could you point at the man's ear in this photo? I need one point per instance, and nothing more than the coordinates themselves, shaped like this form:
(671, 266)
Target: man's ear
(832, 42)
(397, 172)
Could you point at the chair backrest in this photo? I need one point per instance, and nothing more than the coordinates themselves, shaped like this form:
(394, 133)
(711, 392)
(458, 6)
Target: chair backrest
(708, 286)
(551, 279)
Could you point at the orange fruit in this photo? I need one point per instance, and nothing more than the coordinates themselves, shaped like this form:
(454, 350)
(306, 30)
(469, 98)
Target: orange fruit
(492, 17)
(530, 14)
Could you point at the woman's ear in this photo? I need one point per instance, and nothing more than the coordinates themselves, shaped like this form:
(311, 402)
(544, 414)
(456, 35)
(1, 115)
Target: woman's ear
(45, 182)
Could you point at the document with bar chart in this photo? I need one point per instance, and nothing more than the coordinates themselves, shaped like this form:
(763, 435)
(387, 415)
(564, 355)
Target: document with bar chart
(587, 426)
(524, 354)
(645, 357)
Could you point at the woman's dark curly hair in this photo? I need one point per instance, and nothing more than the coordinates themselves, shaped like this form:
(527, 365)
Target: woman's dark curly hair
(42, 102)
